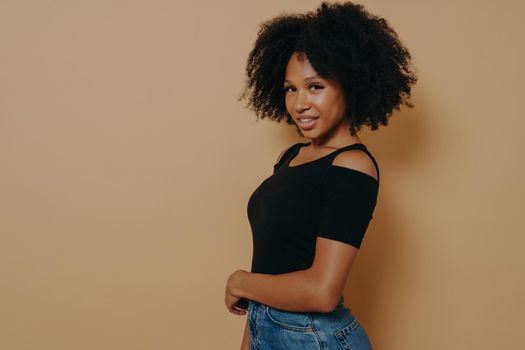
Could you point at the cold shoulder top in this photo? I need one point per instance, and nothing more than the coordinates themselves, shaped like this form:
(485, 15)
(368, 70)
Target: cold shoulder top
(299, 203)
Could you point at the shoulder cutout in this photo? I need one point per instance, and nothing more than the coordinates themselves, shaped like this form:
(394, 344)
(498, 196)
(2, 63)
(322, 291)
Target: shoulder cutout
(357, 160)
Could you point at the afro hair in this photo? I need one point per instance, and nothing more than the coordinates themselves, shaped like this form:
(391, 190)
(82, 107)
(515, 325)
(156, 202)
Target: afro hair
(343, 42)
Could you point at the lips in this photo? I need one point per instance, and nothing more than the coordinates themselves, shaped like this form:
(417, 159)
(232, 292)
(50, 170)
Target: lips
(307, 123)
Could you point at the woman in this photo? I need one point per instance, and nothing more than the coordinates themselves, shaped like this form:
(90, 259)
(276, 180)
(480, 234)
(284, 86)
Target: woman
(328, 73)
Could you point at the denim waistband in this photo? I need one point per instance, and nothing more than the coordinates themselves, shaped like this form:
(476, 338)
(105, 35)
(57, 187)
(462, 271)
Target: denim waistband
(340, 303)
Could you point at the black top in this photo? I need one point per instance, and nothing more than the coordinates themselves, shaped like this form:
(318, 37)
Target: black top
(299, 203)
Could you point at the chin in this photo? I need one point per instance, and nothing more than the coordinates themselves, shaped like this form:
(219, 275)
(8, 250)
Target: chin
(310, 135)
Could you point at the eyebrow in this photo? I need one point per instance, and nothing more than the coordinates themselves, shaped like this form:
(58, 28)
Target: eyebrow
(305, 79)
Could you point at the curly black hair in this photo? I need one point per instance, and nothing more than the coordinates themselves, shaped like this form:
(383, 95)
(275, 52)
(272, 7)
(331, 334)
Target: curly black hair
(342, 42)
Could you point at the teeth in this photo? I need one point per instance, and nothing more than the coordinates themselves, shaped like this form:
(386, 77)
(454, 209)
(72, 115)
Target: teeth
(306, 120)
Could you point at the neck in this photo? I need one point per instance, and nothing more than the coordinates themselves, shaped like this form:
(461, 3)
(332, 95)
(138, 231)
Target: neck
(336, 138)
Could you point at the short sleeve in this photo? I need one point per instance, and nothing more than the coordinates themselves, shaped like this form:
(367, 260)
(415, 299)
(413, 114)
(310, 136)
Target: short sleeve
(348, 201)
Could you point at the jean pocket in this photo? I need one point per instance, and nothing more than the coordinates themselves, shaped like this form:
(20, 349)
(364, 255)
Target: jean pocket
(353, 337)
(293, 321)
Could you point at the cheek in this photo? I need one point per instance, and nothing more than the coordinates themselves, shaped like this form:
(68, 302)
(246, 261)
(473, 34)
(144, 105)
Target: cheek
(336, 103)
(330, 106)
(324, 104)
(288, 103)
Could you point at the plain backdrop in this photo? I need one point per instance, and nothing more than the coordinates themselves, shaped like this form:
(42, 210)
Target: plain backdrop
(127, 163)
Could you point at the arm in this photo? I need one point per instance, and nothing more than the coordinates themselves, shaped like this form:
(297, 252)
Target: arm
(246, 340)
(317, 288)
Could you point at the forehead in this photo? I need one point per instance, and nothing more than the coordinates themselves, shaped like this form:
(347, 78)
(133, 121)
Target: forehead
(299, 67)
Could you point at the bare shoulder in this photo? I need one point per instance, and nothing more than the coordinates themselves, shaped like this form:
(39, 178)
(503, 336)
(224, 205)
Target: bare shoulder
(357, 160)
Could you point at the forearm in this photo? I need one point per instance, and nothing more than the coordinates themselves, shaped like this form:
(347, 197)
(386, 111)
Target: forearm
(298, 291)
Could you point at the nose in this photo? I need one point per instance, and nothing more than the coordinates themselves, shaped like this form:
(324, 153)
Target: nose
(301, 102)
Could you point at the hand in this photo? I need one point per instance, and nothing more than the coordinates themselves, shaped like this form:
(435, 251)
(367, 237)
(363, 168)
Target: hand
(235, 303)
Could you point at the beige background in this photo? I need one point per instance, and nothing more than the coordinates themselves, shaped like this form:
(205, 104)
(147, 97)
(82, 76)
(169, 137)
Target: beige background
(127, 164)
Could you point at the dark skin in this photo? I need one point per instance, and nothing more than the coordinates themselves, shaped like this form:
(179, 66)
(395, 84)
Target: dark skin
(318, 288)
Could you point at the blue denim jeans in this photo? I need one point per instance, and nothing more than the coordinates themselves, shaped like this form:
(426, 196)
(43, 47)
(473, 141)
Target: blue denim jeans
(275, 329)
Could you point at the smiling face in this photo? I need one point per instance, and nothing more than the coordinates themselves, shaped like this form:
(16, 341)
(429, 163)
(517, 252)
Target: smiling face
(307, 95)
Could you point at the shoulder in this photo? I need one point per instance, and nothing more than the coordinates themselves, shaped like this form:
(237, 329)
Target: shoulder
(281, 155)
(357, 160)
(283, 152)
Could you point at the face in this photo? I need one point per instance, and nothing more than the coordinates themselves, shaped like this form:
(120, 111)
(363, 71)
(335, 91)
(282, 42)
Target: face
(309, 96)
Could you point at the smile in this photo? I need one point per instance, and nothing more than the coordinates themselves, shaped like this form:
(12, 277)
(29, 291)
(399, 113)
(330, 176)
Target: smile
(308, 123)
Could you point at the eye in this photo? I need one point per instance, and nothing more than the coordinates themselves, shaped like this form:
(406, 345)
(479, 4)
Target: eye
(316, 86)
